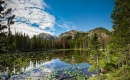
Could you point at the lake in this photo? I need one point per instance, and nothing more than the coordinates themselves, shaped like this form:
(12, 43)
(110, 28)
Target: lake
(47, 65)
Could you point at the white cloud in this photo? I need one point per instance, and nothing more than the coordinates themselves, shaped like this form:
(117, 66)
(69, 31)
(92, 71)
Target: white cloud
(66, 25)
(28, 13)
(24, 28)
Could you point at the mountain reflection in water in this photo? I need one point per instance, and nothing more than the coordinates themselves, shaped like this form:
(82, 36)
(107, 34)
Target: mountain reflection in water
(42, 65)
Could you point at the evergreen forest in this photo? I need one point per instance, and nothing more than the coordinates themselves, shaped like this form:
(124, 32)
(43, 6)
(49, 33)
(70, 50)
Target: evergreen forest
(109, 51)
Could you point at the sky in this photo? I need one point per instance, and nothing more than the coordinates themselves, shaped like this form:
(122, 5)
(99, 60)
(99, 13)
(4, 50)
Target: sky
(58, 16)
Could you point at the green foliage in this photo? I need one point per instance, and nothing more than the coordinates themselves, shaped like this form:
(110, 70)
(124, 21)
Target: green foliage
(109, 57)
(103, 34)
(92, 68)
(123, 73)
(115, 61)
(20, 61)
(120, 37)
(94, 43)
(4, 16)
(101, 29)
(95, 53)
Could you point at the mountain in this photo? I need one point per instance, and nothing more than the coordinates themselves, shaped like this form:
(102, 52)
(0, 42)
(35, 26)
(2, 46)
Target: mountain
(47, 36)
(103, 34)
(100, 31)
(73, 34)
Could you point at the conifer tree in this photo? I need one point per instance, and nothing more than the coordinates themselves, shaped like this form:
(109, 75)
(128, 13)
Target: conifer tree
(94, 47)
(121, 27)
(4, 16)
(119, 49)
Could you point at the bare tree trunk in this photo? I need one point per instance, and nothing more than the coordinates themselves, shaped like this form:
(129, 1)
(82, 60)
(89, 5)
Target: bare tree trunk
(98, 72)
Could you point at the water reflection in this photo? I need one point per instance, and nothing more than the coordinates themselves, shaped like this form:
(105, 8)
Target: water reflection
(41, 65)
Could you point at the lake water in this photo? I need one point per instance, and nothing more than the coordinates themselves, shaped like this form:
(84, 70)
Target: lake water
(48, 65)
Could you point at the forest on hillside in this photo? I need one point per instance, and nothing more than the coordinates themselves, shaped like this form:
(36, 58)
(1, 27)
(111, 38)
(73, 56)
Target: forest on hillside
(24, 43)
(109, 50)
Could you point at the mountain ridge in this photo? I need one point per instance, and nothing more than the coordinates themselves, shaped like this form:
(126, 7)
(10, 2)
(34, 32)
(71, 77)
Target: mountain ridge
(75, 34)
(46, 36)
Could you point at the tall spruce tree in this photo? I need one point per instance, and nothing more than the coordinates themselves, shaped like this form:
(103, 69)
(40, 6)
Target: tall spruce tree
(121, 34)
(94, 47)
(4, 16)
(118, 59)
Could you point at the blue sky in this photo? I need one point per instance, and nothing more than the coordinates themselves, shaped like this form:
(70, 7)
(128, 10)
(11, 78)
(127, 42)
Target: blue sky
(58, 16)
(84, 15)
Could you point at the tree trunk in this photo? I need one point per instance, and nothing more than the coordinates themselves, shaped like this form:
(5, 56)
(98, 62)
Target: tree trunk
(98, 72)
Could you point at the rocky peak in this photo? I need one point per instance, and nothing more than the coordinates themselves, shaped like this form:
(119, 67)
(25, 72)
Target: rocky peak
(46, 36)
(71, 33)
(101, 32)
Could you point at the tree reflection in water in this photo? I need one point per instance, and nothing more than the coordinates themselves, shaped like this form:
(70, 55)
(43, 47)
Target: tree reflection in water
(41, 65)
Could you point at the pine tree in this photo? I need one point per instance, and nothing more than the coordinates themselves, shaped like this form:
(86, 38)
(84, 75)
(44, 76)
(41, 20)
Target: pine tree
(121, 27)
(94, 47)
(118, 51)
(4, 16)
